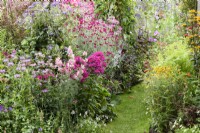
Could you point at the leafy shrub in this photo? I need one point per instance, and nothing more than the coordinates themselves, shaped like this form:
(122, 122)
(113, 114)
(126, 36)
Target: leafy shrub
(10, 11)
(187, 5)
(98, 99)
(43, 26)
(128, 70)
(89, 125)
(176, 54)
(168, 84)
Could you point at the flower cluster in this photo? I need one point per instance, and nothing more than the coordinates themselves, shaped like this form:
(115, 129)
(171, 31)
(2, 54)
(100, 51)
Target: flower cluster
(94, 34)
(155, 35)
(72, 2)
(192, 33)
(4, 109)
(162, 71)
(96, 63)
(78, 68)
(44, 76)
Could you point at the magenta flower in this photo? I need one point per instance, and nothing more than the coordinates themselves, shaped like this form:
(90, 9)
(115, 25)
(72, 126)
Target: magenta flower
(39, 77)
(96, 63)
(85, 75)
(78, 62)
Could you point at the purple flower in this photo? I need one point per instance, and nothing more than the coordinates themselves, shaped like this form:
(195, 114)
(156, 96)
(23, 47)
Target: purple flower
(17, 76)
(152, 39)
(5, 60)
(26, 61)
(23, 65)
(54, 3)
(23, 68)
(10, 108)
(18, 68)
(2, 71)
(45, 90)
(49, 47)
(12, 56)
(40, 129)
(156, 33)
(14, 52)
(22, 58)
(10, 64)
(1, 108)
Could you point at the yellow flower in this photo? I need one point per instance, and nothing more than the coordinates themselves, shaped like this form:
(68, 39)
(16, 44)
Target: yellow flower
(190, 36)
(192, 11)
(197, 47)
(197, 18)
(184, 25)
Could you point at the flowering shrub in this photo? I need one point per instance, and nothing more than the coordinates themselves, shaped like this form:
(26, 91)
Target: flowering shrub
(191, 29)
(93, 34)
(169, 86)
(58, 80)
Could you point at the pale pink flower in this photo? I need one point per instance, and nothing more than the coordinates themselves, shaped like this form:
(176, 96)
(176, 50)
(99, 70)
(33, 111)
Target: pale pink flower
(69, 51)
(84, 53)
(58, 62)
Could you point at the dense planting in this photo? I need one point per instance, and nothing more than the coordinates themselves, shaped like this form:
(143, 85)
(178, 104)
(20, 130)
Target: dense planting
(63, 63)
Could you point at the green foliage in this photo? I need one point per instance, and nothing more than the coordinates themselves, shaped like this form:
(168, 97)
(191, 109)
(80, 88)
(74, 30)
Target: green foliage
(2, 38)
(194, 129)
(10, 11)
(17, 99)
(89, 125)
(57, 102)
(176, 54)
(128, 70)
(46, 28)
(187, 5)
(169, 86)
(97, 98)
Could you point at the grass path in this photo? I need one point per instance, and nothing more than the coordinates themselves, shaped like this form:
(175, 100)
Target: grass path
(131, 113)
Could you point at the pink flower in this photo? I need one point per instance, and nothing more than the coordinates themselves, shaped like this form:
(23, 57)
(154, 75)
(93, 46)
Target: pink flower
(78, 62)
(96, 63)
(85, 75)
(39, 77)
(58, 62)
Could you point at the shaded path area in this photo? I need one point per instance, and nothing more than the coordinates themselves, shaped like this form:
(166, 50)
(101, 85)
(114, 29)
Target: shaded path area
(131, 113)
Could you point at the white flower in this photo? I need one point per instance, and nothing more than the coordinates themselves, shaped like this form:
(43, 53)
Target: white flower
(84, 53)
(73, 112)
